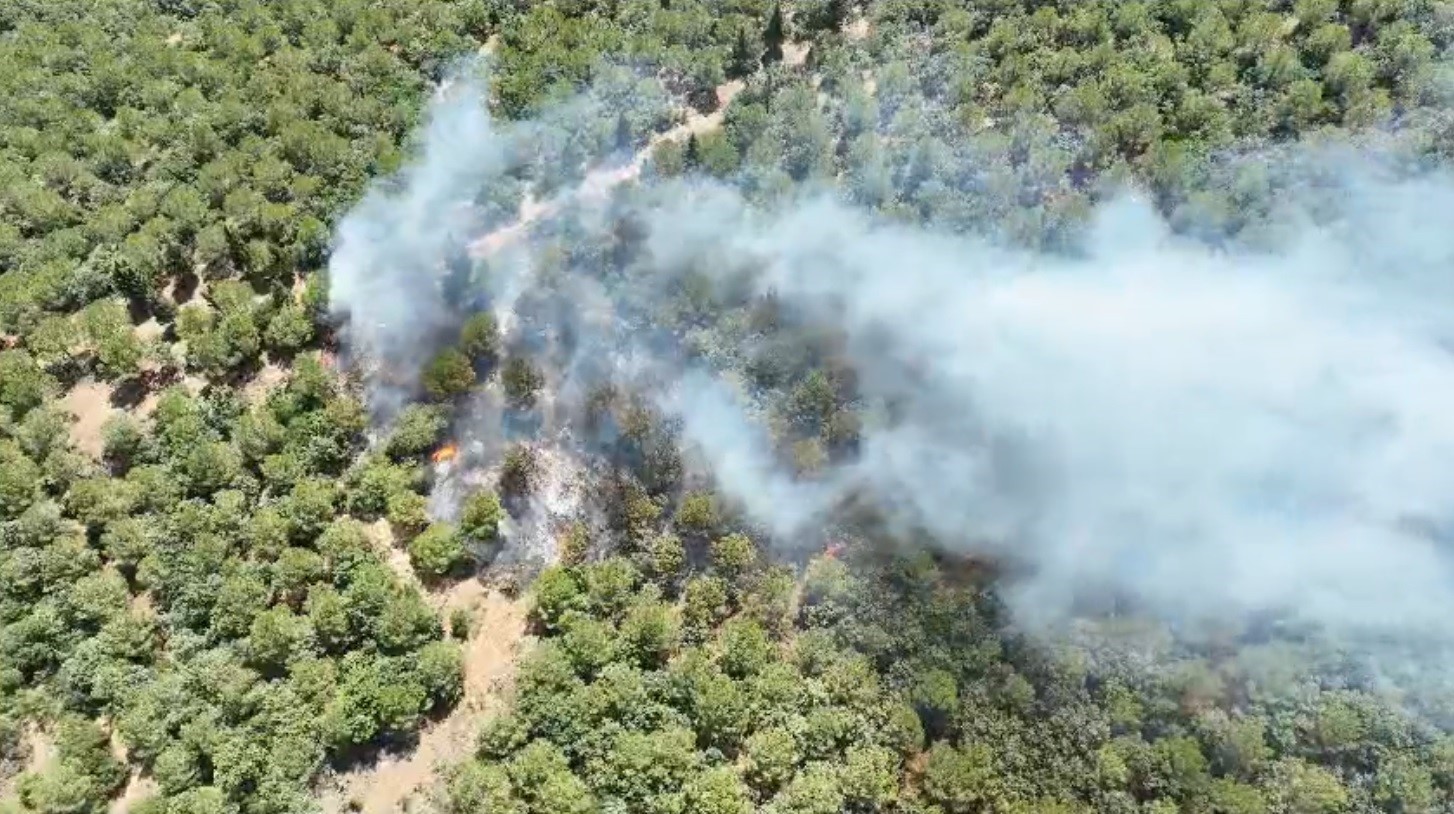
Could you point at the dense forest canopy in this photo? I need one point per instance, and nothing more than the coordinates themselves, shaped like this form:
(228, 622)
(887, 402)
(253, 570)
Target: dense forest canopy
(223, 552)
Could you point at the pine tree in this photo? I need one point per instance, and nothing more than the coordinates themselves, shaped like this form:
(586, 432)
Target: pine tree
(693, 158)
(838, 14)
(773, 37)
(623, 133)
(744, 62)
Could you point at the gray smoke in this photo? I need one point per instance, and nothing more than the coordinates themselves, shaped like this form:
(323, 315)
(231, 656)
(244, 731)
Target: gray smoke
(1214, 432)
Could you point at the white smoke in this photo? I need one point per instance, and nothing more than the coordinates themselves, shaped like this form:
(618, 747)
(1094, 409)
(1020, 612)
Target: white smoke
(1214, 432)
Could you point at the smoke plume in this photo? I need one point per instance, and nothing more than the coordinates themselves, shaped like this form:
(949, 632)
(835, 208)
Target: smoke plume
(1212, 430)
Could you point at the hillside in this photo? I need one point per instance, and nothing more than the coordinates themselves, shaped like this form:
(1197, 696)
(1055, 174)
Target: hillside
(470, 406)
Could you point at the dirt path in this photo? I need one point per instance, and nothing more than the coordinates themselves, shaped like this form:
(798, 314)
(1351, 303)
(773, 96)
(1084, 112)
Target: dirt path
(138, 788)
(497, 638)
(599, 182)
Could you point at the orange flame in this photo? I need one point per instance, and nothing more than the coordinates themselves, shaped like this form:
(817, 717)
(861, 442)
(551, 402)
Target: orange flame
(833, 550)
(448, 452)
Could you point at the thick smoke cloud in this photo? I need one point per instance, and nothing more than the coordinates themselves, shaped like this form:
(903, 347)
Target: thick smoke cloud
(1213, 432)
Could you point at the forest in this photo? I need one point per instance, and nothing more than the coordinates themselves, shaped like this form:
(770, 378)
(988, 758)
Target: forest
(225, 569)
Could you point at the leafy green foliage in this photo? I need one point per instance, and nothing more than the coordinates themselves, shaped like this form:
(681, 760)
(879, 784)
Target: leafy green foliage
(437, 550)
(480, 518)
(448, 374)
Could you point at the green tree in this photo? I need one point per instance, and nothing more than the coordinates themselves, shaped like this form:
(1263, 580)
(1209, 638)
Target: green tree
(1300, 788)
(19, 480)
(718, 791)
(23, 385)
(289, 329)
(541, 775)
(479, 338)
(771, 759)
(475, 786)
(481, 516)
(276, 635)
(555, 592)
(417, 430)
(746, 647)
(448, 374)
(649, 633)
(733, 554)
(522, 381)
(743, 61)
(437, 551)
(773, 37)
(959, 780)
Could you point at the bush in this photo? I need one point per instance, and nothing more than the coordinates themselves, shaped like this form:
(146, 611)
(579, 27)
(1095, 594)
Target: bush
(436, 551)
(479, 338)
(416, 431)
(448, 374)
(480, 518)
(521, 382)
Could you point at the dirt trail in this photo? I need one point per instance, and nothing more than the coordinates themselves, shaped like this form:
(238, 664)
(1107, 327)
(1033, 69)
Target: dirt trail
(599, 182)
(497, 638)
(138, 788)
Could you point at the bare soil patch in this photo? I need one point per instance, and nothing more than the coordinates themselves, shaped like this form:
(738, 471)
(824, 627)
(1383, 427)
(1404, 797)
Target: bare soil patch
(269, 376)
(796, 53)
(138, 788)
(90, 403)
(39, 750)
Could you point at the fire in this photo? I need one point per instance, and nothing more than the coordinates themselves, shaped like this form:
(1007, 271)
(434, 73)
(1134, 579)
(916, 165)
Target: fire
(446, 453)
(833, 550)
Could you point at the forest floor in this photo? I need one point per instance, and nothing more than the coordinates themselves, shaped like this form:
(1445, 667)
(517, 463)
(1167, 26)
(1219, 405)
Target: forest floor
(90, 402)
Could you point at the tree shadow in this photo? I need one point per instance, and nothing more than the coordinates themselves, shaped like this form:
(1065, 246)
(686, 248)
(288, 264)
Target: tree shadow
(131, 391)
(704, 100)
(367, 756)
(184, 287)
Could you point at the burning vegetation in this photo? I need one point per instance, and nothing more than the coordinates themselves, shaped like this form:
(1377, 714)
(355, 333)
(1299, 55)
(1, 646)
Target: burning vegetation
(445, 453)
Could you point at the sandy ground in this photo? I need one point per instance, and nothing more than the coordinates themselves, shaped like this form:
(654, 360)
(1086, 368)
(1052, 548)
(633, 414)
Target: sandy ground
(90, 403)
(496, 641)
(138, 786)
